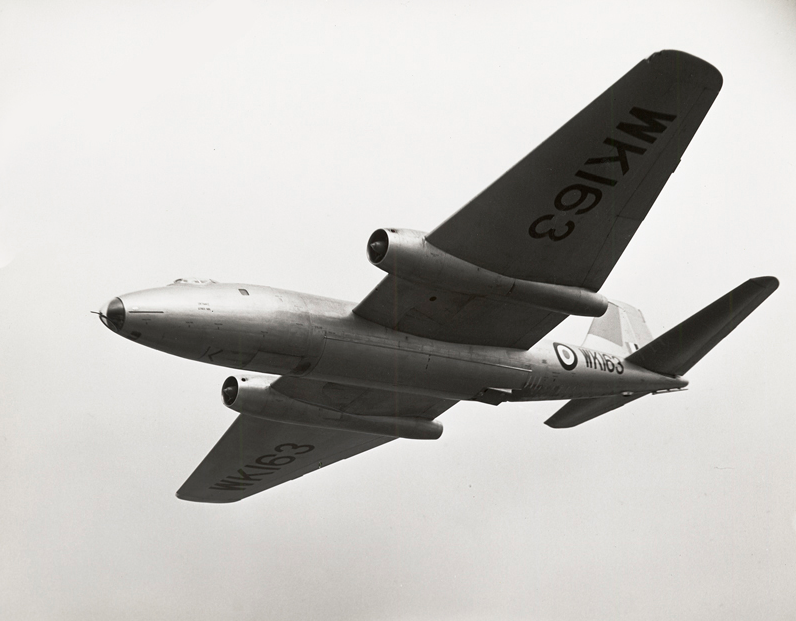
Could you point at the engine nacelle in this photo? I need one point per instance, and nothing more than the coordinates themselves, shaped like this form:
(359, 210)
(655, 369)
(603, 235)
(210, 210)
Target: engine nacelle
(253, 396)
(406, 254)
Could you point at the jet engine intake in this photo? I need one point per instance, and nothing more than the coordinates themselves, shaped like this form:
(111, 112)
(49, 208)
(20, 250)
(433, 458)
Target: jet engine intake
(406, 254)
(253, 396)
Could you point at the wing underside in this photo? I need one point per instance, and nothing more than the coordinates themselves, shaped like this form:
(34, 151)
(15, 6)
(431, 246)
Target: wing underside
(256, 454)
(565, 213)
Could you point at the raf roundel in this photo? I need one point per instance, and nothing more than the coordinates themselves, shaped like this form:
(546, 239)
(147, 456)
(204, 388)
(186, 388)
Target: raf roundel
(566, 356)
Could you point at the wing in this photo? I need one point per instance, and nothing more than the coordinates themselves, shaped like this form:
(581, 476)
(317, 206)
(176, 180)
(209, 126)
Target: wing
(256, 454)
(565, 213)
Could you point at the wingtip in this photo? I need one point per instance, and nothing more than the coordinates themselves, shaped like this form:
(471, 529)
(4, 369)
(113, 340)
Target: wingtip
(558, 424)
(689, 67)
(204, 500)
(766, 282)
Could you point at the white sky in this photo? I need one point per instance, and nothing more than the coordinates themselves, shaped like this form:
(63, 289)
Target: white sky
(262, 143)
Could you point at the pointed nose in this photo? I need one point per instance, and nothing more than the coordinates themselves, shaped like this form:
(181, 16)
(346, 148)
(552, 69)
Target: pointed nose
(112, 315)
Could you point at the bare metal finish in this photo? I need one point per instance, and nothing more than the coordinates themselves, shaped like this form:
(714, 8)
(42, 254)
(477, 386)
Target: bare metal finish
(409, 256)
(255, 397)
(463, 311)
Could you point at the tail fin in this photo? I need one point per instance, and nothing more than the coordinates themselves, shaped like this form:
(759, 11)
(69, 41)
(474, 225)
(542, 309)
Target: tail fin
(679, 349)
(673, 353)
(620, 331)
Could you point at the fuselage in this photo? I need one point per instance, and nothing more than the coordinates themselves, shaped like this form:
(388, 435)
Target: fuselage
(266, 330)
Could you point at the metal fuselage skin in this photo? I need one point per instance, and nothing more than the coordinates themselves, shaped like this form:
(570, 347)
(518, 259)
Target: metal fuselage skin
(266, 330)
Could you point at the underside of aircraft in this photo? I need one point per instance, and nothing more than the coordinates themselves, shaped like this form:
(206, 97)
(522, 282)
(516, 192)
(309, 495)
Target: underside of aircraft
(463, 310)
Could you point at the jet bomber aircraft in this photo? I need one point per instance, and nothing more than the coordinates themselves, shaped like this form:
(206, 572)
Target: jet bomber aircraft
(462, 311)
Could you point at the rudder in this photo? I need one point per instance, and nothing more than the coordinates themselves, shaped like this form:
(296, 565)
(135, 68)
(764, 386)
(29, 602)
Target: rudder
(620, 331)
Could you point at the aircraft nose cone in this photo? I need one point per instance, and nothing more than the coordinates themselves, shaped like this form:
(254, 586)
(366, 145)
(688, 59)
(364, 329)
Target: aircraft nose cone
(112, 315)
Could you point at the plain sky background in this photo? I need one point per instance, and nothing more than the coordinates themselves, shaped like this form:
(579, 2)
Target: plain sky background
(262, 143)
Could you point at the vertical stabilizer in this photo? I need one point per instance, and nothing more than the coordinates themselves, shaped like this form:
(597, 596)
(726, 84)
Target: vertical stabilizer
(620, 331)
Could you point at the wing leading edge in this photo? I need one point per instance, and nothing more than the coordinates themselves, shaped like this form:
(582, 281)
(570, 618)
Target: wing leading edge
(565, 213)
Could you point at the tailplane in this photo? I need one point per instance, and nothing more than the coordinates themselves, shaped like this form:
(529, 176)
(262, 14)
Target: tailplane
(673, 353)
(579, 411)
(679, 349)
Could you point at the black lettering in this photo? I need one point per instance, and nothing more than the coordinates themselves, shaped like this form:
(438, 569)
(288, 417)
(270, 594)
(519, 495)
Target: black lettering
(620, 368)
(228, 486)
(249, 476)
(600, 360)
(587, 357)
(651, 125)
(584, 191)
(622, 149)
(295, 448)
(609, 364)
(533, 232)
(244, 476)
(275, 461)
(596, 178)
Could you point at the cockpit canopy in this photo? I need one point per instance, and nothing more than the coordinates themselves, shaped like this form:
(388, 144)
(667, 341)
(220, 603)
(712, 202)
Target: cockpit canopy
(193, 281)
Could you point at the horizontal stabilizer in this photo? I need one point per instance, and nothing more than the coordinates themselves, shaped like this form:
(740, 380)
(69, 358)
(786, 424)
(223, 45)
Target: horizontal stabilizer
(679, 349)
(579, 411)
